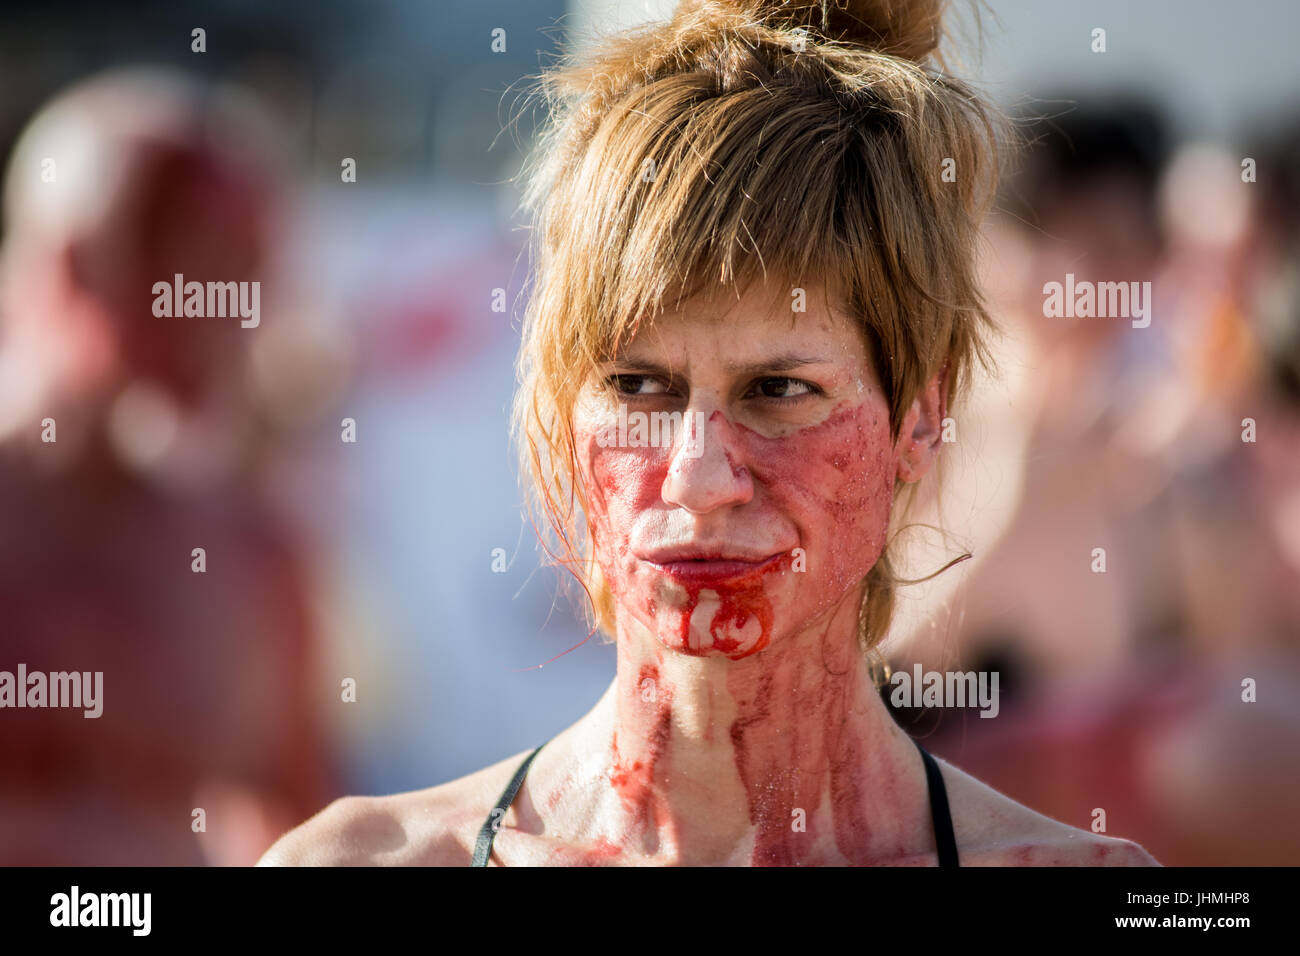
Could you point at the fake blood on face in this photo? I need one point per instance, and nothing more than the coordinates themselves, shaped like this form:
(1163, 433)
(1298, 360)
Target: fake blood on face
(741, 599)
(825, 488)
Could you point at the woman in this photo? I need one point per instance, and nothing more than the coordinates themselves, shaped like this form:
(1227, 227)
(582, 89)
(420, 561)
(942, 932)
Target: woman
(755, 227)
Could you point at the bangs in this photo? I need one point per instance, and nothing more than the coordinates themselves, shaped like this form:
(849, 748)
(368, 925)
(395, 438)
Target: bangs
(691, 194)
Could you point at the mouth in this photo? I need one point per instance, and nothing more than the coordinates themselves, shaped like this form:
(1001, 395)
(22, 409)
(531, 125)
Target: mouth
(704, 569)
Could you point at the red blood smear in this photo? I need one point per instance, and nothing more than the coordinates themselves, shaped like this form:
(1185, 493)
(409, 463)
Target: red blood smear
(740, 598)
(602, 852)
(633, 780)
(785, 765)
(772, 801)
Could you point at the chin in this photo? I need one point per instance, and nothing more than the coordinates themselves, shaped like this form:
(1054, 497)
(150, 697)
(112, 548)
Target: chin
(707, 623)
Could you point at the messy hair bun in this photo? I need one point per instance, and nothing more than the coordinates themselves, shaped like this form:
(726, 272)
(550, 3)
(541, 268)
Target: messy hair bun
(810, 142)
(909, 30)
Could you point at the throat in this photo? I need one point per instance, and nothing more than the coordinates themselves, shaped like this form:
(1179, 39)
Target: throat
(785, 758)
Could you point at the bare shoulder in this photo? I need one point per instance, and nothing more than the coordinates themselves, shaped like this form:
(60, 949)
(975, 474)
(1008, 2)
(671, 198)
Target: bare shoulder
(994, 830)
(436, 826)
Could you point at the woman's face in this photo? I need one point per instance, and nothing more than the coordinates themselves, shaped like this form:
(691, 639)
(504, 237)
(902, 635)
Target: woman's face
(769, 503)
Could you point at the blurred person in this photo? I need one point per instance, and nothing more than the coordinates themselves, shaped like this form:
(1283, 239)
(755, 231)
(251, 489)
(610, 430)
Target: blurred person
(1125, 691)
(742, 152)
(1242, 499)
(1087, 202)
(1228, 775)
(128, 440)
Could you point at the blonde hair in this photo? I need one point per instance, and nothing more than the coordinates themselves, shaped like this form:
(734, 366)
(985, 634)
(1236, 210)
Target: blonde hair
(813, 140)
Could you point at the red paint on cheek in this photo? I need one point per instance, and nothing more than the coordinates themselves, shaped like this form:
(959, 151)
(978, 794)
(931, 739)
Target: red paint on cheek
(625, 485)
(837, 480)
(826, 488)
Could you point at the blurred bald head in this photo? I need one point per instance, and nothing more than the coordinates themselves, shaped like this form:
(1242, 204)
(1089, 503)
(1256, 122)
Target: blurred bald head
(122, 181)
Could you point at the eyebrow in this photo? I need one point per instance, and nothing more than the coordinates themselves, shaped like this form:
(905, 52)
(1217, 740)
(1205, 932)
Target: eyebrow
(777, 363)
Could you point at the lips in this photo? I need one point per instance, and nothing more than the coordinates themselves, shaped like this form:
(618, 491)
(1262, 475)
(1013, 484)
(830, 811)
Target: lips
(693, 566)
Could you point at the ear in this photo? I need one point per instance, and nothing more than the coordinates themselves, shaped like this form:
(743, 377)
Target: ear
(921, 435)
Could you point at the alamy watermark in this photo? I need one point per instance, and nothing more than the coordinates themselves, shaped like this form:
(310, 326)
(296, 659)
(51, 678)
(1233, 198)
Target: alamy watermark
(76, 908)
(653, 430)
(84, 689)
(214, 300)
(946, 689)
(1103, 300)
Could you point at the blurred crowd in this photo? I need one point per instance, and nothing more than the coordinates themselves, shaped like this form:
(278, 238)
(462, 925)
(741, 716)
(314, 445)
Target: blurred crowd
(1141, 599)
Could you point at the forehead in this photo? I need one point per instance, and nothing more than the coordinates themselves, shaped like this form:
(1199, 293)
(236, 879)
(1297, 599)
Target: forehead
(740, 330)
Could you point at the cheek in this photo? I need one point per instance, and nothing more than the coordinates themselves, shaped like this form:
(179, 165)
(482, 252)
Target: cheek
(835, 482)
(624, 485)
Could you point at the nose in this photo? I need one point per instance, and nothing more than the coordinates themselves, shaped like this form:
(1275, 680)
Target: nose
(707, 469)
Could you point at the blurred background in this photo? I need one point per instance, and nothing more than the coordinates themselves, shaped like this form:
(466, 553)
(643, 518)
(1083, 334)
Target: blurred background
(345, 465)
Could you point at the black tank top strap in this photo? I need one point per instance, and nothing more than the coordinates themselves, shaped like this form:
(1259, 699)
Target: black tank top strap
(944, 838)
(486, 833)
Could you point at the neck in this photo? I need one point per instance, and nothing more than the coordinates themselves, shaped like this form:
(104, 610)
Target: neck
(788, 756)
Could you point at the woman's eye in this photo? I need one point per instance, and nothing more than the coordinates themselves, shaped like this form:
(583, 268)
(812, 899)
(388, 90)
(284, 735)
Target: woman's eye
(784, 388)
(636, 384)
